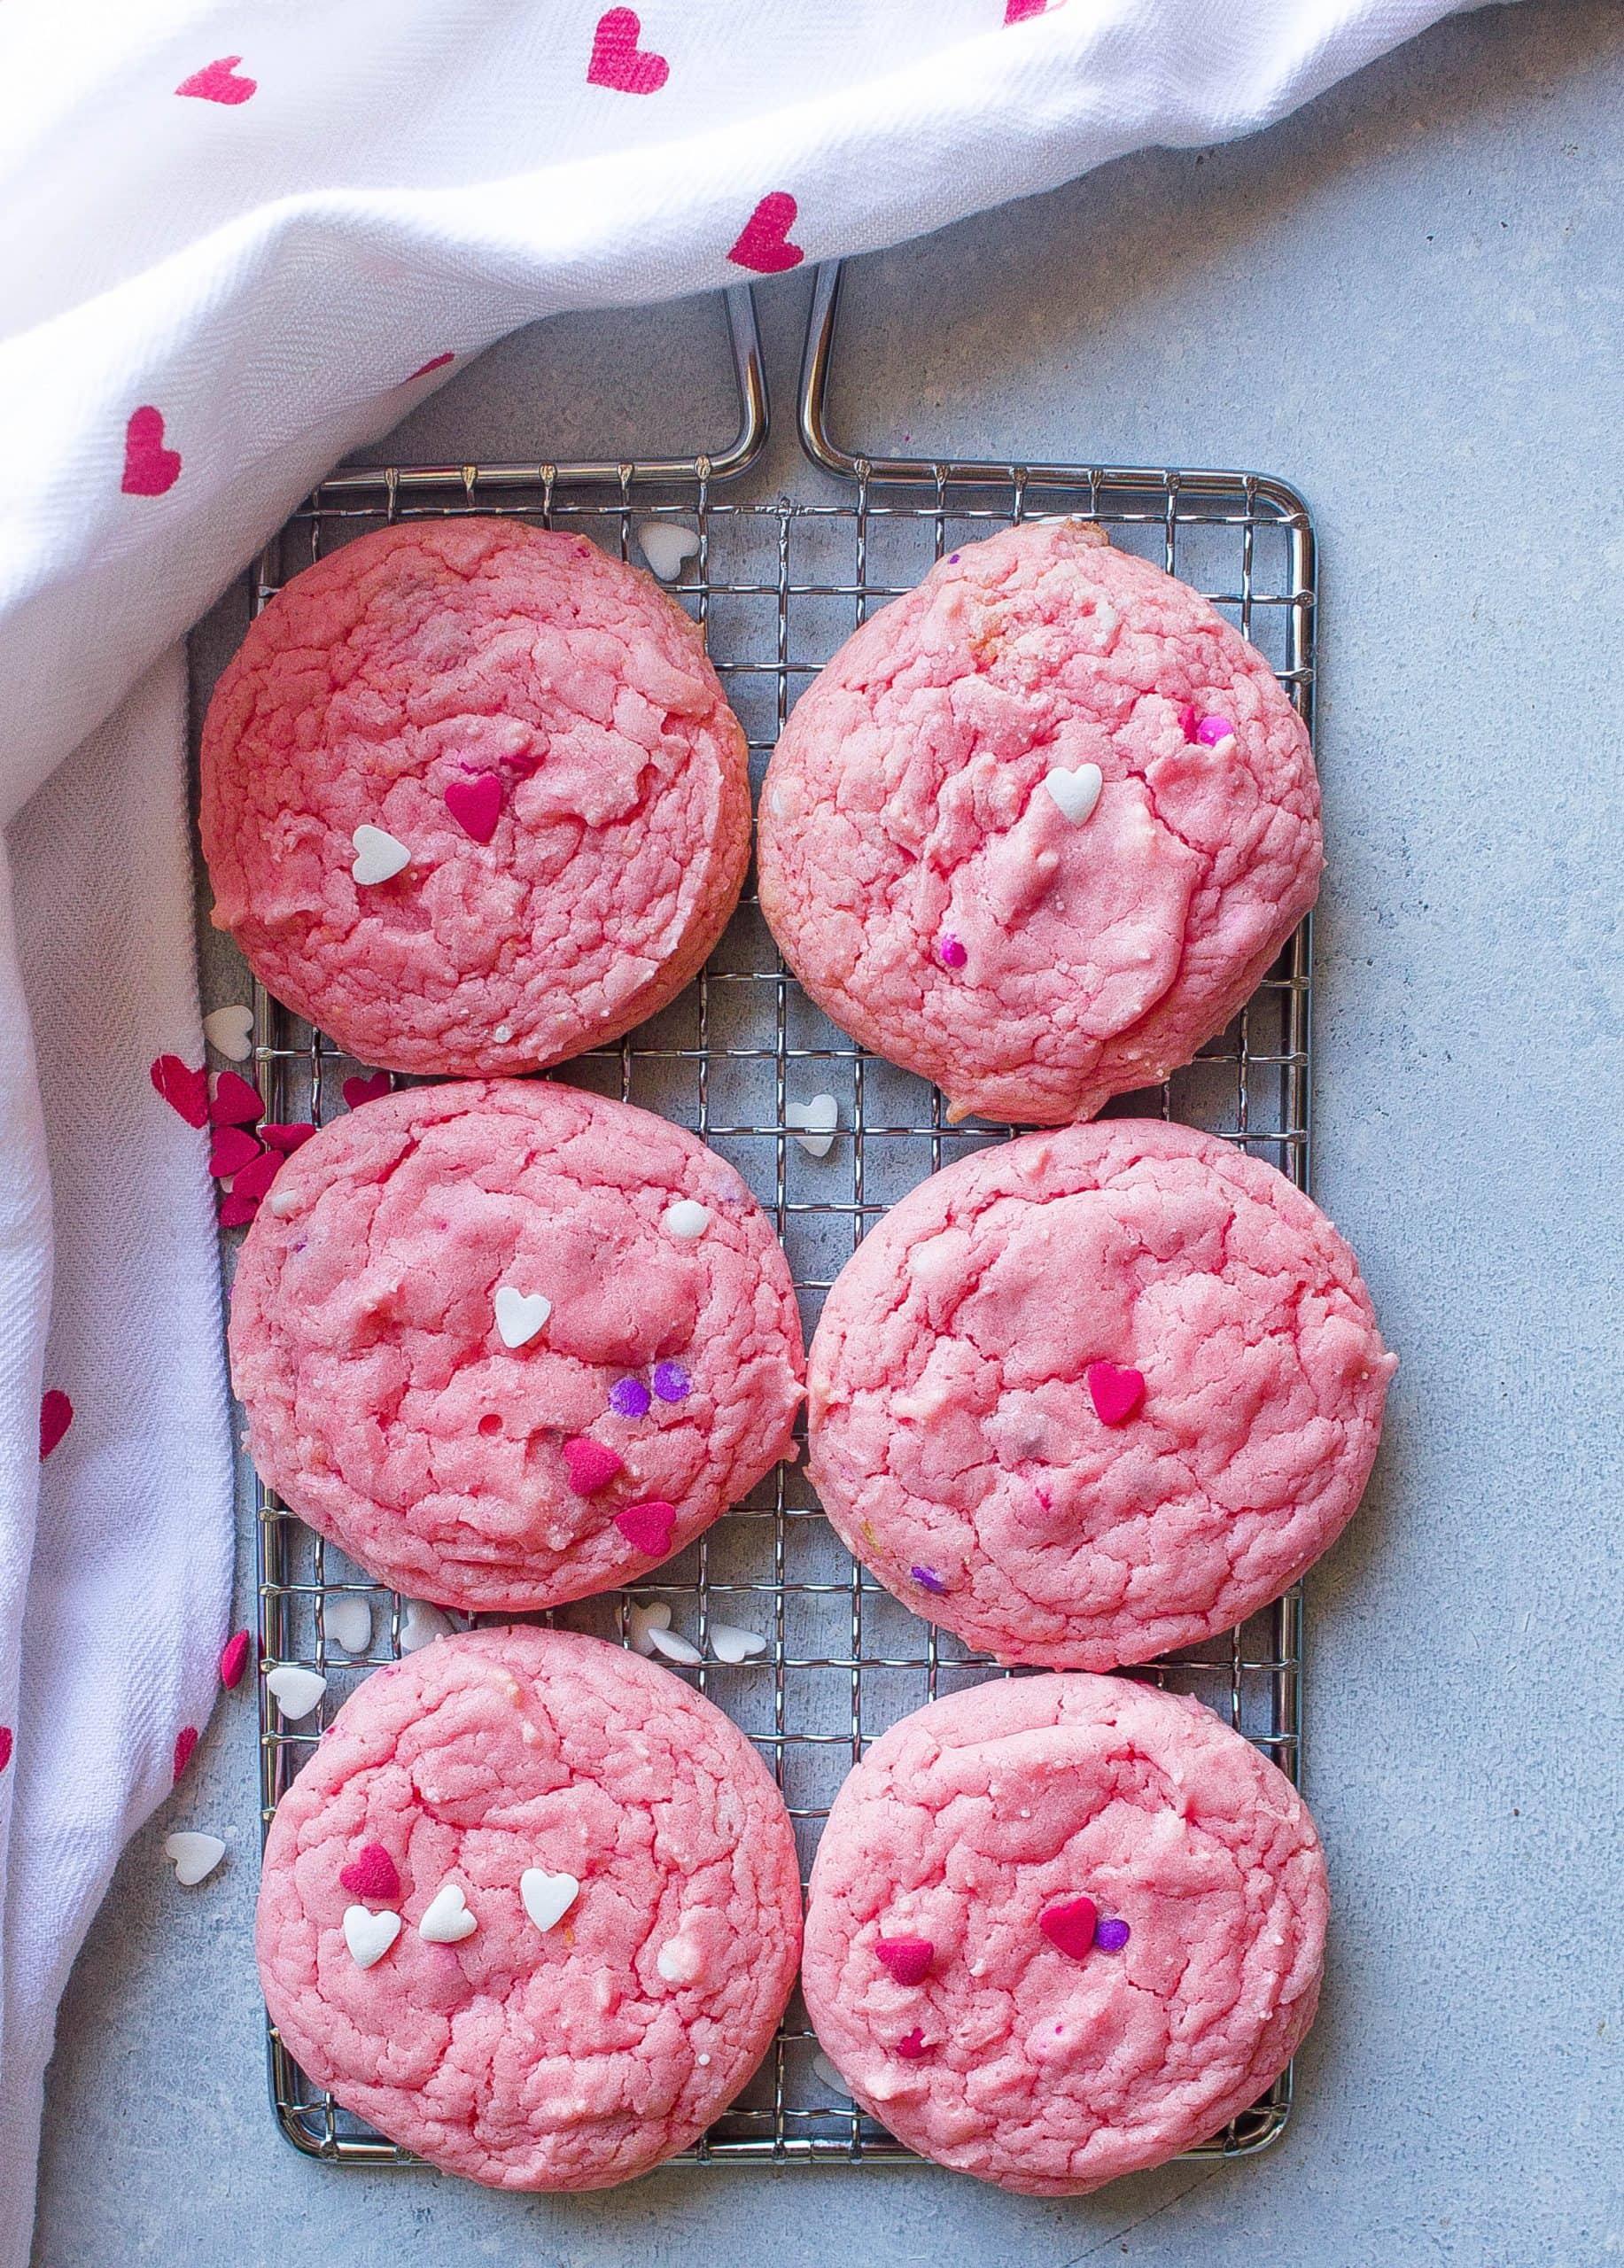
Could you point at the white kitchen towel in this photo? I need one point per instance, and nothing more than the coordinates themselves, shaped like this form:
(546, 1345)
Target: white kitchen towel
(238, 240)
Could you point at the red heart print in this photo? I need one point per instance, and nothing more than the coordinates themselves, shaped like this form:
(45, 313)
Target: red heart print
(648, 1526)
(182, 1089)
(6, 1746)
(1070, 1925)
(218, 82)
(149, 470)
(235, 1103)
(373, 1088)
(1115, 1393)
(619, 62)
(233, 1148)
(185, 1742)
(764, 243)
(476, 805)
(234, 1660)
(591, 1465)
(55, 1416)
(908, 1959)
(287, 1139)
(1016, 12)
(372, 1874)
(434, 362)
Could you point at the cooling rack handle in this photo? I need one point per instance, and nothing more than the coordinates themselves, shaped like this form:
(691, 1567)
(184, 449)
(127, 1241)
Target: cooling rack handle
(813, 410)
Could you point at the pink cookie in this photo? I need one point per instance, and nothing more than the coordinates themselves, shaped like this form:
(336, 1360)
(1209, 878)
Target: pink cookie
(537, 727)
(508, 1343)
(629, 1873)
(1126, 1910)
(1040, 827)
(1096, 1393)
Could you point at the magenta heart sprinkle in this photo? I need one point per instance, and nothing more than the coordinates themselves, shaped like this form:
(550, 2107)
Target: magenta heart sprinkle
(1111, 1937)
(912, 2045)
(235, 1103)
(927, 1579)
(287, 1139)
(234, 1660)
(671, 1382)
(592, 1466)
(951, 953)
(233, 1148)
(186, 1741)
(373, 1088)
(1070, 1925)
(629, 1398)
(1211, 730)
(908, 1959)
(1116, 1394)
(649, 1525)
(372, 1874)
(183, 1089)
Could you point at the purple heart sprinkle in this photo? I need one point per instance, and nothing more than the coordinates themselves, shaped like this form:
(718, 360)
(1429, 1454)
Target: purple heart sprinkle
(1211, 730)
(671, 1382)
(1111, 1937)
(629, 1398)
(951, 953)
(953, 560)
(929, 1579)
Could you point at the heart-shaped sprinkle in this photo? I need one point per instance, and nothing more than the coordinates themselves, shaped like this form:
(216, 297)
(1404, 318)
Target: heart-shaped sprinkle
(643, 1621)
(476, 805)
(379, 856)
(763, 244)
(367, 1935)
(592, 1466)
(548, 1898)
(55, 1416)
(234, 1660)
(520, 1314)
(193, 1855)
(629, 1398)
(666, 545)
(287, 1137)
(908, 1959)
(675, 1647)
(617, 62)
(814, 1123)
(911, 2046)
(648, 1526)
(445, 1918)
(370, 1088)
(927, 1579)
(371, 1873)
(6, 1746)
(183, 1090)
(252, 1180)
(729, 1644)
(421, 1625)
(1075, 793)
(951, 953)
(236, 1212)
(347, 1620)
(295, 1689)
(150, 469)
(1116, 1394)
(185, 1748)
(1188, 720)
(1111, 1936)
(235, 1103)
(1212, 731)
(671, 1382)
(230, 1032)
(1070, 1925)
(686, 1220)
(233, 1148)
(220, 82)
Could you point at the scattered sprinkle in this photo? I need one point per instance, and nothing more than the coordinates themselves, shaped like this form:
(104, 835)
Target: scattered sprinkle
(232, 1149)
(295, 1689)
(671, 1382)
(287, 1136)
(1116, 1394)
(183, 1090)
(372, 1086)
(367, 1935)
(591, 1465)
(643, 1621)
(686, 1220)
(421, 1625)
(951, 953)
(629, 1398)
(379, 856)
(1075, 793)
(230, 1032)
(1070, 1925)
(548, 1898)
(907, 1958)
(520, 1315)
(185, 1747)
(927, 1579)
(675, 1647)
(814, 1123)
(912, 2045)
(729, 1644)
(666, 545)
(680, 1961)
(235, 1103)
(284, 1203)
(55, 1416)
(648, 1526)
(372, 1874)
(475, 805)
(1212, 731)
(347, 1620)
(234, 1660)
(445, 1918)
(6, 1746)
(1187, 720)
(1111, 1936)
(193, 1855)
(503, 1034)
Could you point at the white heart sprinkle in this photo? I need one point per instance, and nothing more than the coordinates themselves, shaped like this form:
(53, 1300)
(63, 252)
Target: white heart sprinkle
(686, 1220)
(349, 1623)
(194, 1855)
(367, 1935)
(1076, 792)
(548, 1898)
(731, 1644)
(674, 1646)
(445, 1919)
(816, 1121)
(680, 1961)
(520, 1314)
(666, 545)
(284, 1203)
(232, 1031)
(379, 855)
(643, 1621)
(295, 1691)
(421, 1625)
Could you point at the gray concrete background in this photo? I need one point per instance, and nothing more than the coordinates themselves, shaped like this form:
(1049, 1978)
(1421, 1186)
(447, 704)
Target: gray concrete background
(1406, 300)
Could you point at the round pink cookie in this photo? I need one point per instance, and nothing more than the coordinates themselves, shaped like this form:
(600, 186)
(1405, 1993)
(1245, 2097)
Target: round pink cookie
(538, 726)
(1040, 827)
(1062, 1928)
(508, 1343)
(566, 2040)
(1095, 1393)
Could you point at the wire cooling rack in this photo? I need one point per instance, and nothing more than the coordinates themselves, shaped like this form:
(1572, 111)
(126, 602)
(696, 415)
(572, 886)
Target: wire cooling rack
(777, 584)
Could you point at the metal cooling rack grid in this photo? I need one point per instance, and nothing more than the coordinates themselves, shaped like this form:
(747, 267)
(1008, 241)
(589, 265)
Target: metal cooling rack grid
(777, 586)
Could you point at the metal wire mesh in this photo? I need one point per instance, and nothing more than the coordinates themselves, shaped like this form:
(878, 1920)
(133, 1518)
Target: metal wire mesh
(777, 586)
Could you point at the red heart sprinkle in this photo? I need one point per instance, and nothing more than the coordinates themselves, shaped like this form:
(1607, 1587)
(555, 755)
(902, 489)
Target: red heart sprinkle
(1115, 1393)
(908, 1959)
(186, 1741)
(764, 243)
(236, 1212)
(234, 1660)
(6, 1744)
(476, 804)
(649, 1525)
(233, 1148)
(373, 1088)
(287, 1137)
(257, 1176)
(434, 362)
(149, 470)
(619, 62)
(1070, 1925)
(183, 1090)
(372, 1874)
(55, 1416)
(591, 1465)
(235, 1103)
(217, 82)
(912, 2045)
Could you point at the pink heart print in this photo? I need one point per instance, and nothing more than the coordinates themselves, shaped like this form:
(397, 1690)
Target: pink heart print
(648, 1526)
(1070, 1925)
(619, 62)
(218, 82)
(184, 1090)
(55, 1416)
(1115, 1393)
(764, 243)
(1016, 12)
(476, 805)
(149, 470)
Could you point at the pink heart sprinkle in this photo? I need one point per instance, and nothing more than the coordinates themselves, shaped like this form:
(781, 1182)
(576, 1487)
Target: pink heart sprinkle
(912, 2045)
(1211, 730)
(763, 244)
(951, 953)
(373, 1088)
(55, 1416)
(233, 1148)
(287, 1137)
(1070, 1925)
(591, 1465)
(619, 62)
(234, 1660)
(257, 1176)
(235, 1103)
(150, 469)
(6, 1746)
(908, 1959)
(185, 1742)
(1115, 1393)
(218, 82)
(236, 1212)
(648, 1526)
(372, 1874)
(182, 1089)
(476, 804)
